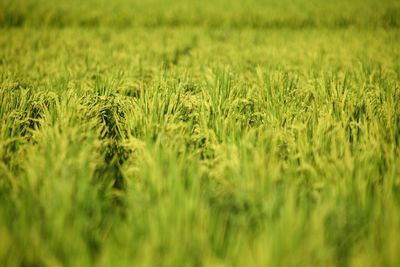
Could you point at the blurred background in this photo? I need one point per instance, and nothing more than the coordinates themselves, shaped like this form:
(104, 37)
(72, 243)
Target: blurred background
(210, 13)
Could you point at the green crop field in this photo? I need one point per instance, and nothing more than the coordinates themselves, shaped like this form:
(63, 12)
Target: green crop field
(200, 133)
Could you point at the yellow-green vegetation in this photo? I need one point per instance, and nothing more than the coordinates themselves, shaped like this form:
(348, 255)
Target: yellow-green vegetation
(199, 133)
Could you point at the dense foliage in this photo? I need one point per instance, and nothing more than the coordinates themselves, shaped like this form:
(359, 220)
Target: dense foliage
(199, 133)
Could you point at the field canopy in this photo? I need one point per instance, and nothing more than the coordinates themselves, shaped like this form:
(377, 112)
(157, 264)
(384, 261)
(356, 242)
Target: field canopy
(210, 13)
(199, 133)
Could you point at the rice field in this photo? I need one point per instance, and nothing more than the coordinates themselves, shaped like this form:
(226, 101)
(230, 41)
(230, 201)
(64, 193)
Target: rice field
(199, 133)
